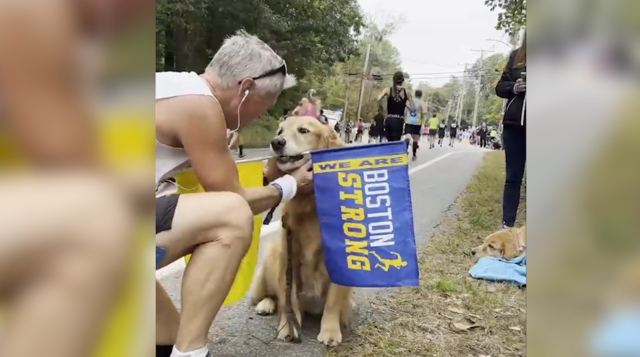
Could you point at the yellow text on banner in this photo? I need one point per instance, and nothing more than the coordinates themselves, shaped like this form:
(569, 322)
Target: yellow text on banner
(360, 164)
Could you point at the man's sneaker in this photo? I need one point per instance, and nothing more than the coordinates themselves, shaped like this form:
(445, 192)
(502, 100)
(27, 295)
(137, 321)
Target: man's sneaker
(414, 158)
(241, 156)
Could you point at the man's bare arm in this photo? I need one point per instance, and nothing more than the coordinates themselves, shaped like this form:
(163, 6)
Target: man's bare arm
(203, 136)
(42, 102)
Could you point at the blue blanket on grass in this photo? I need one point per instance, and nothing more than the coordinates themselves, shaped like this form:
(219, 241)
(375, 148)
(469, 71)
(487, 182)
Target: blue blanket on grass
(501, 270)
(617, 335)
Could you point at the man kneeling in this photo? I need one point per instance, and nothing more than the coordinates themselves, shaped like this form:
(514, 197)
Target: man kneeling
(193, 113)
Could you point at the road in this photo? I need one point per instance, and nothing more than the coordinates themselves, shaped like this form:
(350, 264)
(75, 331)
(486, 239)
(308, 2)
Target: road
(437, 178)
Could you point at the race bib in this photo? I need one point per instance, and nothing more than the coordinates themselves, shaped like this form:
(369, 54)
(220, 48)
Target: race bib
(413, 117)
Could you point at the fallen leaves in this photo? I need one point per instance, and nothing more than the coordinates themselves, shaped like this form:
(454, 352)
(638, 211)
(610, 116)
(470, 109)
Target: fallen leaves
(457, 311)
(466, 325)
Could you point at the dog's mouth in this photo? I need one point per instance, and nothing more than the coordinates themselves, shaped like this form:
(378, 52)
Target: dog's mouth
(286, 159)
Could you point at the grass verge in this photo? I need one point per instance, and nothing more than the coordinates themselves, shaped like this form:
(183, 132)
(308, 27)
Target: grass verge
(450, 314)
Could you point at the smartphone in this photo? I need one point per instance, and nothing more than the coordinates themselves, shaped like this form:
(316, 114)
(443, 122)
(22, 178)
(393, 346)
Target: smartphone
(523, 75)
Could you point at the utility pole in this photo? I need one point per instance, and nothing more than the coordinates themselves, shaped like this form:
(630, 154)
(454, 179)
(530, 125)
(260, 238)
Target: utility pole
(461, 97)
(479, 82)
(448, 110)
(363, 80)
(346, 100)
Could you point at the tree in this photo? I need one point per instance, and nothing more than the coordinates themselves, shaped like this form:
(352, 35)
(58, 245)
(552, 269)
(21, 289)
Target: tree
(512, 14)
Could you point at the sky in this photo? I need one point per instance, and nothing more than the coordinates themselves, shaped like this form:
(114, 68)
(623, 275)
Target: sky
(436, 37)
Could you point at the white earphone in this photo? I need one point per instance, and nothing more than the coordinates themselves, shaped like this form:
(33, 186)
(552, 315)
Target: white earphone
(246, 93)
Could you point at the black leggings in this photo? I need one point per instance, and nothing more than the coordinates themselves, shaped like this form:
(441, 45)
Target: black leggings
(394, 128)
(483, 141)
(514, 140)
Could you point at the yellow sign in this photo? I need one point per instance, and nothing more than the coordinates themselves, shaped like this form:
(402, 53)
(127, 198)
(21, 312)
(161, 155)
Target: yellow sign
(250, 174)
(360, 164)
(125, 140)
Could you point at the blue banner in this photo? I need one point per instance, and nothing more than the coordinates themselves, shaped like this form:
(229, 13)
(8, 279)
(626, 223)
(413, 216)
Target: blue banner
(363, 201)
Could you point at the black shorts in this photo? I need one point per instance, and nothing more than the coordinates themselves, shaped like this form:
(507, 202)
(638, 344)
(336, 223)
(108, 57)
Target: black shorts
(393, 128)
(165, 210)
(441, 134)
(413, 129)
(453, 133)
(433, 132)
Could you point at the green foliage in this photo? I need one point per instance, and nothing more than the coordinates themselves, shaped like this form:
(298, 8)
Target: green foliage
(311, 35)
(512, 14)
(260, 132)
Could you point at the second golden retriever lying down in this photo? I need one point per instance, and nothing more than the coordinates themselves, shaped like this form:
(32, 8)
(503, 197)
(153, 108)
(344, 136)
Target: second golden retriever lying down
(507, 243)
(313, 292)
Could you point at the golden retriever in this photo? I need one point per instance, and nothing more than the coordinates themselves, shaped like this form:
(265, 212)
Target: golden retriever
(507, 243)
(313, 292)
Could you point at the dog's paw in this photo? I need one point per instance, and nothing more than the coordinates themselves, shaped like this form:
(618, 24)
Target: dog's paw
(285, 333)
(266, 307)
(330, 336)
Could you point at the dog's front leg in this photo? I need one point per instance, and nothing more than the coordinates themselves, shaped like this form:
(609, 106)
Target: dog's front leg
(286, 332)
(330, 333)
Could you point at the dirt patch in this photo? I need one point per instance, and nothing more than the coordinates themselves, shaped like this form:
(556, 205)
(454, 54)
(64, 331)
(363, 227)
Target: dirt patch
(450, 314)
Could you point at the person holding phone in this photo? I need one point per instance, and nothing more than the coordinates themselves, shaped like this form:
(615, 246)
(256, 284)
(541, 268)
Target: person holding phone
(512, 86)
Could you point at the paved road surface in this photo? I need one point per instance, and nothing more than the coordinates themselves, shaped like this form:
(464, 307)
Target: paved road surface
(437, 178)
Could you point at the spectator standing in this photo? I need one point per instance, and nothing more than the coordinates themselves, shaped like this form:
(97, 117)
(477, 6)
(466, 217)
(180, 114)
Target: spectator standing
(512, 86)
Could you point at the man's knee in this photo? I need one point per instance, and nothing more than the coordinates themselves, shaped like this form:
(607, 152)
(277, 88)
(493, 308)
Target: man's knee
(238, 223)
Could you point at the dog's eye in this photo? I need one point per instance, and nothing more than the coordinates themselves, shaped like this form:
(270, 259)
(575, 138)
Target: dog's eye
(492, 246)
(279, 132)
(303, 131)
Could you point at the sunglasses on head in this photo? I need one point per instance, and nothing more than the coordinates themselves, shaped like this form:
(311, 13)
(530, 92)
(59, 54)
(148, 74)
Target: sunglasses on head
(280, 70)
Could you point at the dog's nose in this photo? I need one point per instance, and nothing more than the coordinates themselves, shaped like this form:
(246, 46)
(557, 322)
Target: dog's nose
(278, 143)
(473, 252)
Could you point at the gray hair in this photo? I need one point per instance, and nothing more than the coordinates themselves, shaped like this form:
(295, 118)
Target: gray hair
(244, 56)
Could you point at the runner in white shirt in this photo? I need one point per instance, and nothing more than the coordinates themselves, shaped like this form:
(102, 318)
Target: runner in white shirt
(193, 115)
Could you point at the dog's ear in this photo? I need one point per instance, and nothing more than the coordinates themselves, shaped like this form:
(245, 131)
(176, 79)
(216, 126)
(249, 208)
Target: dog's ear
(508, 250)
(332, 140)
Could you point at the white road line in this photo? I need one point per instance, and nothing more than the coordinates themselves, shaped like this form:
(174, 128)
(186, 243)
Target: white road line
(274, 226)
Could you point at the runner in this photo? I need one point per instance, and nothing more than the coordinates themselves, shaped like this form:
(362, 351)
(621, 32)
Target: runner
(359, 130)
(397, 101)
(347, 132)
(246, 76)
(482, 135)
(414, 122)
(238, 142)
(377, 125)
(433, 130)
(442, 128)
(323, 118)
(453, 133)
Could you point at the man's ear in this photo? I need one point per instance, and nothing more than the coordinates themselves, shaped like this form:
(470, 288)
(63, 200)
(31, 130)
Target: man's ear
(332, 140)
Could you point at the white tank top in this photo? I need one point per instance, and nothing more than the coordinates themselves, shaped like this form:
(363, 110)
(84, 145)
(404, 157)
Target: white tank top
(171, 160)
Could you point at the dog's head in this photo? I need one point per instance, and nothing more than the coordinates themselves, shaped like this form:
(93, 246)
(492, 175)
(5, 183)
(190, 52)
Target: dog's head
(297, 136)
(507, 243)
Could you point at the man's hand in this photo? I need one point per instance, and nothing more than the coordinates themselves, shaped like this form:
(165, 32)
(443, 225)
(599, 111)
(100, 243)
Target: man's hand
(271, 170)
(304, 178)
(520, 87)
